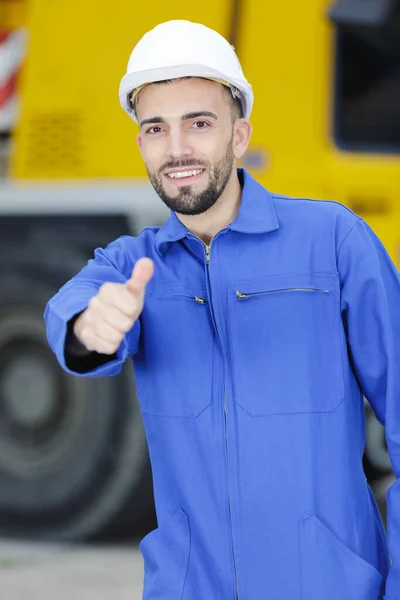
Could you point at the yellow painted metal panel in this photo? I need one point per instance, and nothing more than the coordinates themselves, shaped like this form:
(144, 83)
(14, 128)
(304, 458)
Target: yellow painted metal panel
(280, 47)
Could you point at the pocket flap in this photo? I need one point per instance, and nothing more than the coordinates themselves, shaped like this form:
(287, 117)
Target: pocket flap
(165, 553)
(330, 570)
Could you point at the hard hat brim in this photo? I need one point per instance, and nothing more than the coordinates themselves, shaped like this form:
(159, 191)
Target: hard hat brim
(131, 81)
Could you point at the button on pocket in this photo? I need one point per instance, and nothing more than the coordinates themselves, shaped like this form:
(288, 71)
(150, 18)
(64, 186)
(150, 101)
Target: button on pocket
(173, 366)
(286, 344)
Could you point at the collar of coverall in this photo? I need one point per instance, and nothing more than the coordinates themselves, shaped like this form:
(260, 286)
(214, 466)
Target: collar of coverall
(257, 214)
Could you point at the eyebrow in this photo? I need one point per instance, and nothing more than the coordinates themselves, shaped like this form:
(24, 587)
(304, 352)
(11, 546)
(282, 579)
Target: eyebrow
(185, 117)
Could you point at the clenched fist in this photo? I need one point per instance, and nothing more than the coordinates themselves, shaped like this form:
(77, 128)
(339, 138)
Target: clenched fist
(113, 311)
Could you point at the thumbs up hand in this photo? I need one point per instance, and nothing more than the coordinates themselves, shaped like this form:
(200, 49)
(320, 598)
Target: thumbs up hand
(113, 311)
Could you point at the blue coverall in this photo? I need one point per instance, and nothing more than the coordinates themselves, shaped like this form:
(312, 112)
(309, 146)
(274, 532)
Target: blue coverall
(251, 362)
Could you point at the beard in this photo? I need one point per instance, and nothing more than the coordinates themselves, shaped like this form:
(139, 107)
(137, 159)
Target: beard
(186, 202)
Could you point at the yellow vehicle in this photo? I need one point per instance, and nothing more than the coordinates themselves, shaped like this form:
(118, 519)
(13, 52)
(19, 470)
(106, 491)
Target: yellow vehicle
(326, 119)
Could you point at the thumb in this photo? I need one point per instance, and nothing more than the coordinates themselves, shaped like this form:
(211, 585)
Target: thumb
(141, 275)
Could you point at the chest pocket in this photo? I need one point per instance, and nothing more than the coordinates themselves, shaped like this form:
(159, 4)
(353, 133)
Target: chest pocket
(286, 343)
(173, 366)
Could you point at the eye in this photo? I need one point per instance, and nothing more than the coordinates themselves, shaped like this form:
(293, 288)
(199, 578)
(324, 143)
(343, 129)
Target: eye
(201, 124)
(151, 130)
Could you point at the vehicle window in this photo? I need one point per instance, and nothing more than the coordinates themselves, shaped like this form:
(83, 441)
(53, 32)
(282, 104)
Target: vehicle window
(367, 90)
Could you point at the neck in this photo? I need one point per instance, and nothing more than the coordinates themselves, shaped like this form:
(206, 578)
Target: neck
(224, 211)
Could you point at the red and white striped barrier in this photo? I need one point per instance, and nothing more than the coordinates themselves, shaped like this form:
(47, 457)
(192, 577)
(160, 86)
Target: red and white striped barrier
(12, 51)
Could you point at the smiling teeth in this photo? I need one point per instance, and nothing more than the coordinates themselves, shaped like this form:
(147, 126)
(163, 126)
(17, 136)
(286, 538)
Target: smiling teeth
(184, 174)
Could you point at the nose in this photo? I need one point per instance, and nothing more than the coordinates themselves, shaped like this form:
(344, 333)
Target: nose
(178, 145)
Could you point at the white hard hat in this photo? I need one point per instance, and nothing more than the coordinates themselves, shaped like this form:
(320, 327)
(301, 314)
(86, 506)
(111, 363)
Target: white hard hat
(183, 49)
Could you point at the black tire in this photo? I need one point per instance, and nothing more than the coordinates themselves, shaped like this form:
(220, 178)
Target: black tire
(73, 455)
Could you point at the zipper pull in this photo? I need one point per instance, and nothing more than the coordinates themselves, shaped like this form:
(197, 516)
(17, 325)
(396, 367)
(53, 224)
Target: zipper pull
(199, 300)
(240, 295)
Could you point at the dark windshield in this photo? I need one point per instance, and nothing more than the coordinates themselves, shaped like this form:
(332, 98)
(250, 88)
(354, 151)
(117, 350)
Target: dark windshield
(367, 107)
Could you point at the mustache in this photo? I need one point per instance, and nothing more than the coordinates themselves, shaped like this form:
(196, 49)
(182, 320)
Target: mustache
(189, 162)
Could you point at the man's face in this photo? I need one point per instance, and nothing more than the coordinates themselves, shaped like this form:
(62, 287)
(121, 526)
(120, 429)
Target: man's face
(188, 144)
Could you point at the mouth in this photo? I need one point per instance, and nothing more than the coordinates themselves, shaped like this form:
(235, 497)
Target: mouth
(184, 176)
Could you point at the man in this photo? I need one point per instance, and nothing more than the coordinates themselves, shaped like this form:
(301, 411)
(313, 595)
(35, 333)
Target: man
(256, 323)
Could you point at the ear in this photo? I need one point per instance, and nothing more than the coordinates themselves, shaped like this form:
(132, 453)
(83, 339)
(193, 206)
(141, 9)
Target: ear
(241, 137)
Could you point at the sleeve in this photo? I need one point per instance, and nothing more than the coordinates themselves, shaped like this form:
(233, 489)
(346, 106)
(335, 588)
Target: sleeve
(108, 265)
(371, 313)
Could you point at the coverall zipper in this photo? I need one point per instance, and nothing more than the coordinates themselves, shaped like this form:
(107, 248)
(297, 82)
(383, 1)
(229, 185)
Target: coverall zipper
(229, 500)
(242, 296)
(195, 298)
(207, 248)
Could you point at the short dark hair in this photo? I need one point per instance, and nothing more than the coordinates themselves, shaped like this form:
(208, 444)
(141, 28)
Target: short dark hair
(235, 104)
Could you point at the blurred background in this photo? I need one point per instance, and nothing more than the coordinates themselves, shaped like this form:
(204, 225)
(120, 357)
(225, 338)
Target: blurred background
(75, 481)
